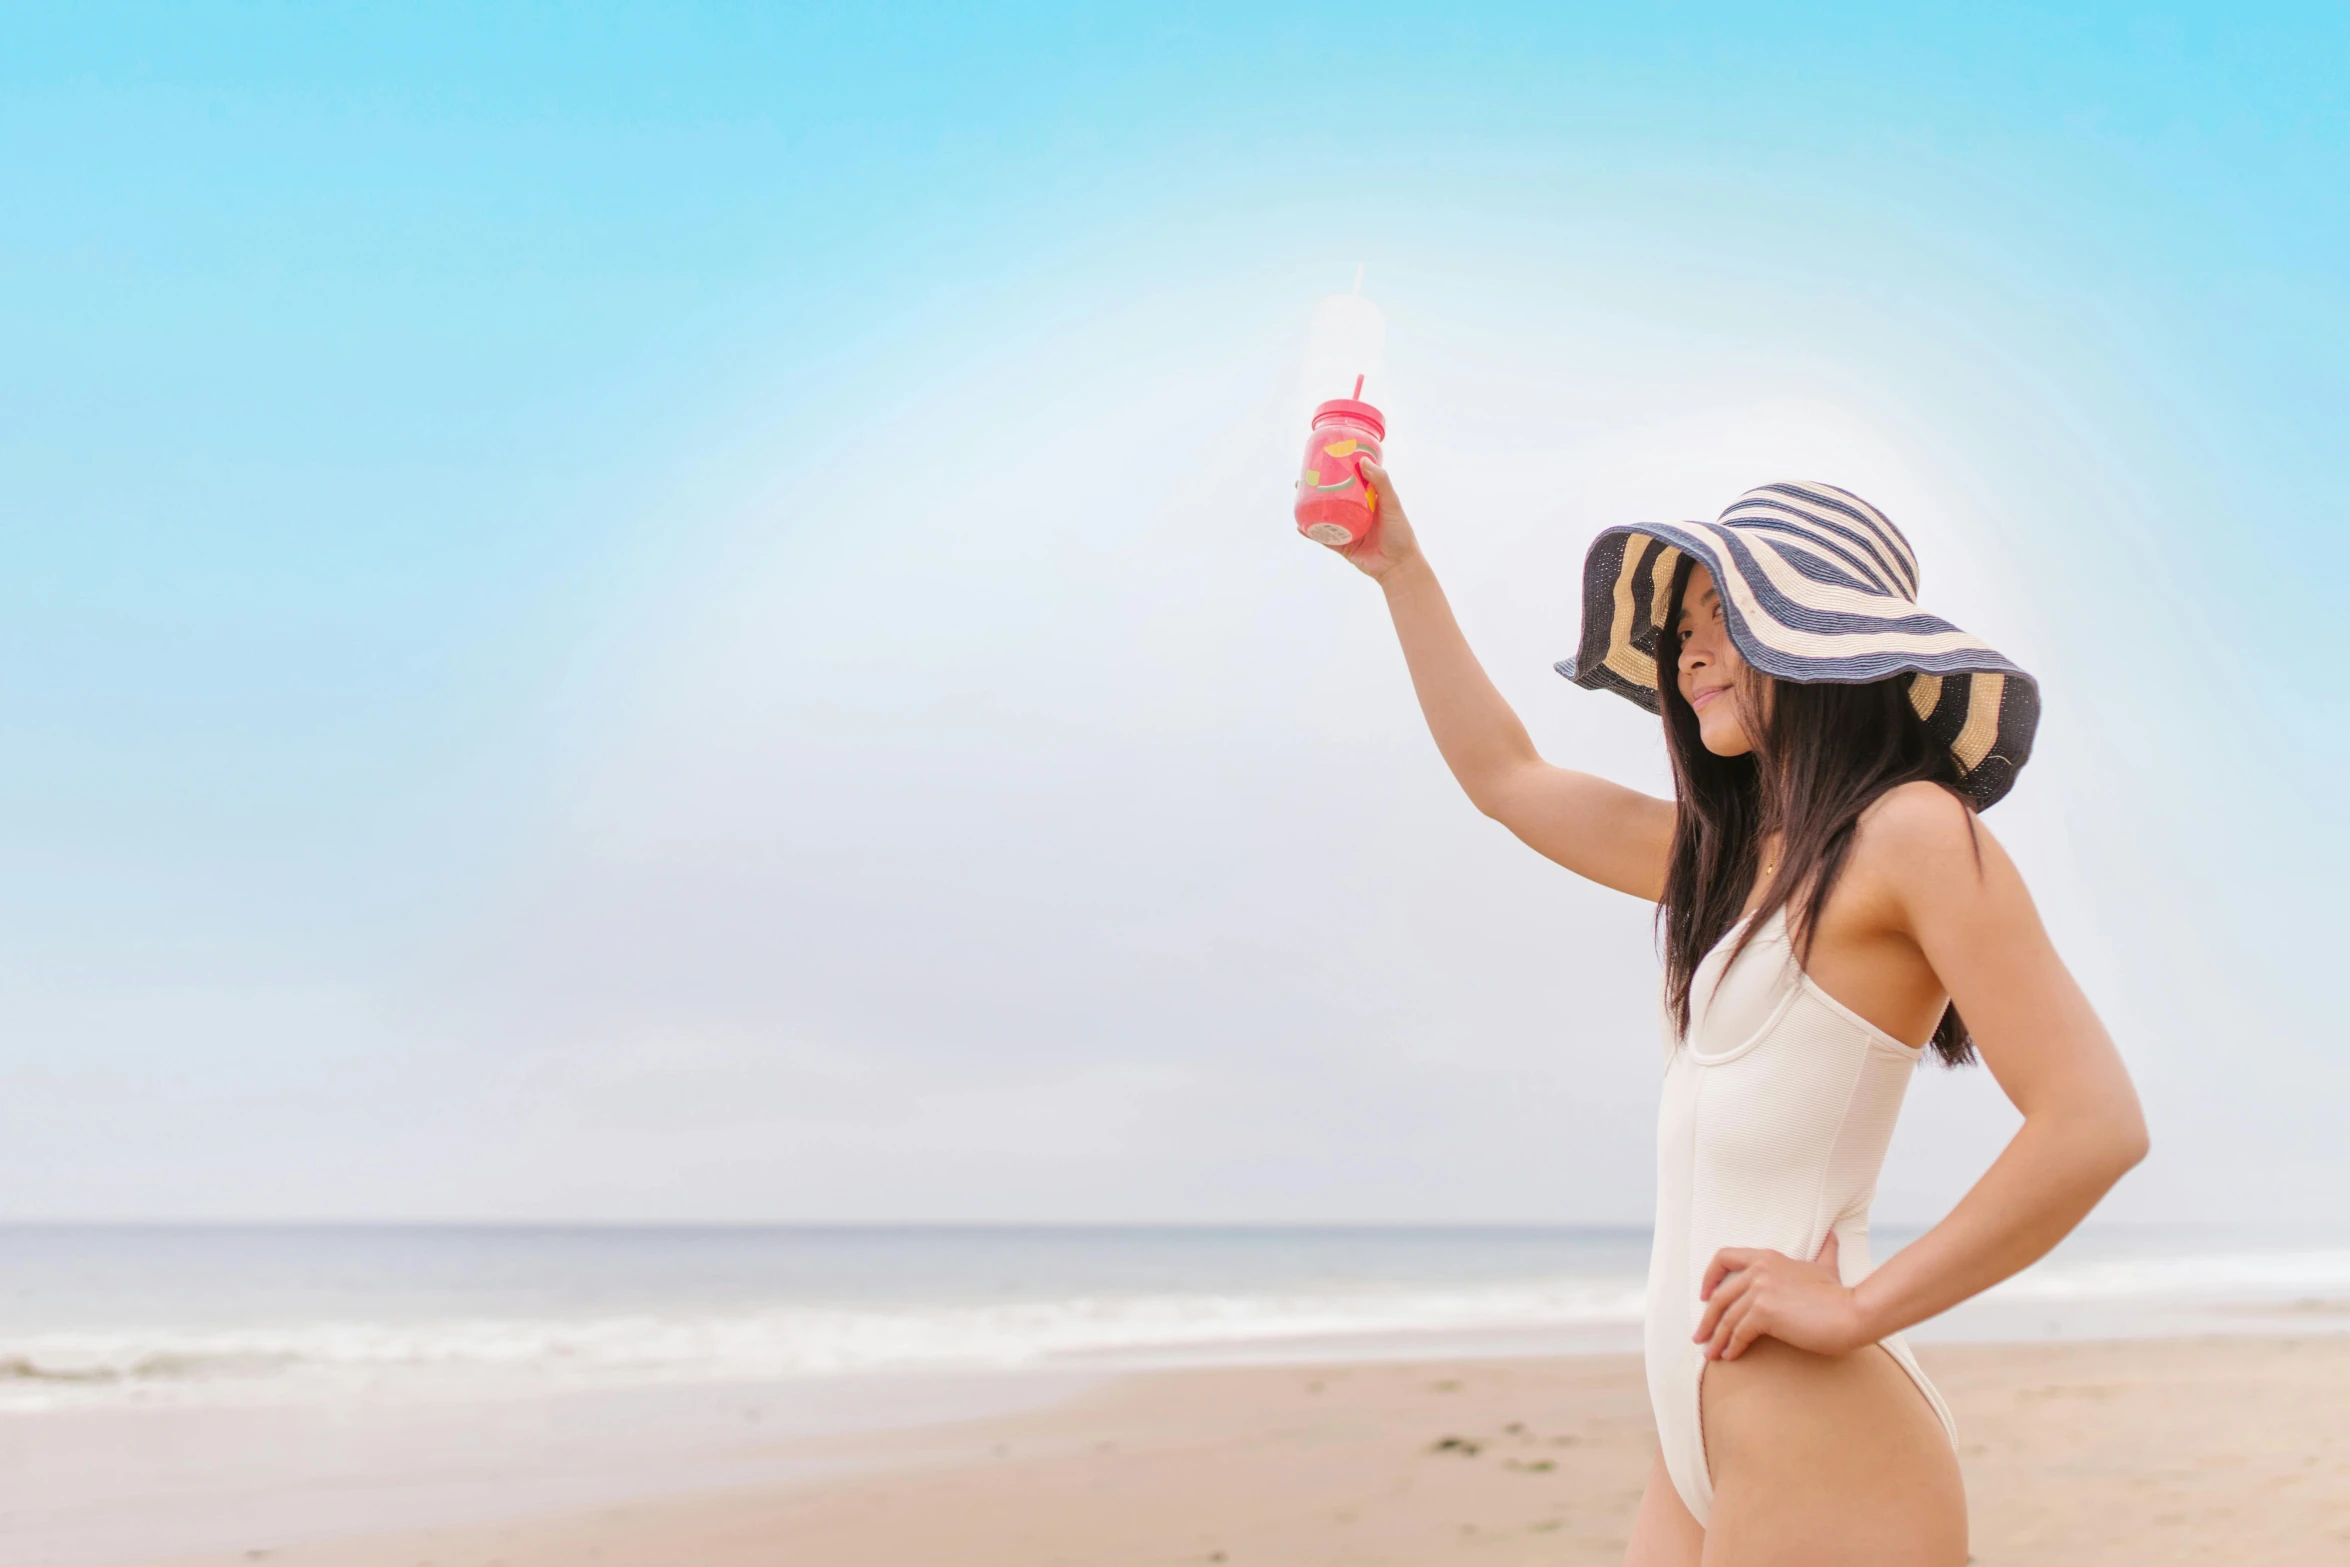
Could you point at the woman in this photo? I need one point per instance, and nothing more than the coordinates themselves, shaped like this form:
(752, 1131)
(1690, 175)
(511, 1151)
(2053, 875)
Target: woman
(1829, 909)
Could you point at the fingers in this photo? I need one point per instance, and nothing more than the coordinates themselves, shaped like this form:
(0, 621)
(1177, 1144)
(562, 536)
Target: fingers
(1728, 1295)
(1827, 1255)
(1376, 477)
(1726, 1262)
(1749, 1327)
(1747, 1308)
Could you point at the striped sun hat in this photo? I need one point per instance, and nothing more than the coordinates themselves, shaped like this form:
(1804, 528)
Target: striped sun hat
(1817, 586)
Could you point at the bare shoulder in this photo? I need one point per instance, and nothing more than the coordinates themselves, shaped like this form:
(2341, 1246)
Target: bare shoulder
(1918, 819)
(1921, 844)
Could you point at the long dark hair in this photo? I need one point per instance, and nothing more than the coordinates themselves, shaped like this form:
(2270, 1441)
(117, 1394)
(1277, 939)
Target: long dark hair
(1825, 753)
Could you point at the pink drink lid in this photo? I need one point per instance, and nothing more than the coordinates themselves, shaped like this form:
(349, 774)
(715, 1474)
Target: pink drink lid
(1349, 408)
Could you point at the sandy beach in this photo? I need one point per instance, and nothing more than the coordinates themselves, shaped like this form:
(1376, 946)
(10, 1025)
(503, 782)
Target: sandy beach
(2208, 1450)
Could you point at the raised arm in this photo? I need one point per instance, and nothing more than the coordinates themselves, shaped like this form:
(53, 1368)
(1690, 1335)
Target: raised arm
(1616, 836)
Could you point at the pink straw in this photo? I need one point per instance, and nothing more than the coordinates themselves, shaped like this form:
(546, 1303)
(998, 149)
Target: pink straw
(1358, 397)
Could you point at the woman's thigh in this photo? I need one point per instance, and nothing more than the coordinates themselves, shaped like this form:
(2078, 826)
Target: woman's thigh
(1824, 1461)
(1663, 1534)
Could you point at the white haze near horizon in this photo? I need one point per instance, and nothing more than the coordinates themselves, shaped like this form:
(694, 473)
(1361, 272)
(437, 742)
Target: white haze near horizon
(1008, 817)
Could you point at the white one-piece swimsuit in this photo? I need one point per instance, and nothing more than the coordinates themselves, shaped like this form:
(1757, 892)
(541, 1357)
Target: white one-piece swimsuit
(1777, 1110)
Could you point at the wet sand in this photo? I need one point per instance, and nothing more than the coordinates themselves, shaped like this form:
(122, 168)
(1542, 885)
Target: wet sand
(2081, 1454)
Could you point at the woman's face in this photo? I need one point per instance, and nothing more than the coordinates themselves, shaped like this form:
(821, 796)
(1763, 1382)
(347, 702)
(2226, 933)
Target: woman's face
(1712, 674)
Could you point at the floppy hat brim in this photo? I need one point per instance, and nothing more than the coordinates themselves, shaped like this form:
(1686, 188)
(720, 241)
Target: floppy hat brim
(1832, 612)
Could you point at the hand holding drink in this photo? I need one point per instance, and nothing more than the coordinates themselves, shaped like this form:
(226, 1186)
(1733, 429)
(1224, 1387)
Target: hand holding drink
(1389, 543)
(1334, 505)
(1344, 498)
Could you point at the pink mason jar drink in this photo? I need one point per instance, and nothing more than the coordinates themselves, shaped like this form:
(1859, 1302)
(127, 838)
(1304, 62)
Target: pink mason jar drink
(1334, 505)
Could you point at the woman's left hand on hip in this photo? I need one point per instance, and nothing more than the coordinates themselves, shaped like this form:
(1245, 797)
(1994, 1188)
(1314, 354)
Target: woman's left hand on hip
(1749, 1292)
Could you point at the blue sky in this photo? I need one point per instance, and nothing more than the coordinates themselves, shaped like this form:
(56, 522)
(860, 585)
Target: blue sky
(685, 612)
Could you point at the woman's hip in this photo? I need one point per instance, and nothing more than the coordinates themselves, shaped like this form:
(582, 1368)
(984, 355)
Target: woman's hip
(1827, 1459)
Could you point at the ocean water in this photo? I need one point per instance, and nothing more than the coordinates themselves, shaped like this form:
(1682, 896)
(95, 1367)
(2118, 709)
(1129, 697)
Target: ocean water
(108, 1317)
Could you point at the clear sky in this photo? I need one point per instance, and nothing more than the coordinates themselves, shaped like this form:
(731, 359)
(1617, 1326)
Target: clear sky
(688, 612)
